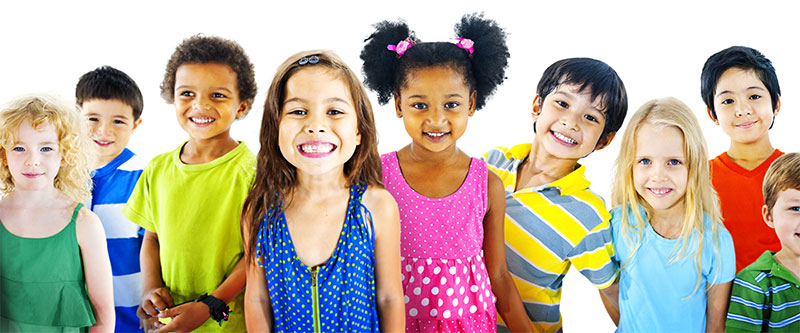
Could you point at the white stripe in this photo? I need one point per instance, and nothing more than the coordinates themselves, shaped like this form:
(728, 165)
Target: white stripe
(133, 164)
(128, 290)
(116, 224)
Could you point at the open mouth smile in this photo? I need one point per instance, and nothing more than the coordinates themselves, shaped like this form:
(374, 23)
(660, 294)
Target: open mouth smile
(563, 139)
(316, 149)
(659, 191)
(201, 121)
(436, 137)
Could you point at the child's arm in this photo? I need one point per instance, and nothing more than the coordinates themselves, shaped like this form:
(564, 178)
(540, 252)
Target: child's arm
(96, 269)
(610, 298)
(257, 305)
(389, 290)
(719, 296)
(509, 304)
(155, 297)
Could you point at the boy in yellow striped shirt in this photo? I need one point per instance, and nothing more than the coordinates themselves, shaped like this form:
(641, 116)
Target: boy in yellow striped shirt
(552, 219)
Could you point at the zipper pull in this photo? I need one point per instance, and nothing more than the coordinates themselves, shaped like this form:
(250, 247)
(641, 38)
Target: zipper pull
(314, 276)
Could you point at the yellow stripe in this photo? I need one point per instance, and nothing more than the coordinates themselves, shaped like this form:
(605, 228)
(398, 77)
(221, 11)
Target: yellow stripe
(531, 249)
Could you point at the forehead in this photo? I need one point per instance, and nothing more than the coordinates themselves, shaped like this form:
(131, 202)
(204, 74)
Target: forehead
(440, 78)
(669, 142)
(573, 90)
(44, 132)
(209, 73)
(109, 107)
(317, 82)
(789, 194)
(739, 78)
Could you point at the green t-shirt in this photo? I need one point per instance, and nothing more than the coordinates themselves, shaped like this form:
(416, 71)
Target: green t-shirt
(195, 210)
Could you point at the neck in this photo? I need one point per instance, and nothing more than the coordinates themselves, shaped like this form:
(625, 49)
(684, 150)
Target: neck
(199, 151)
(790, 260)
(419, 154)
(35, 198)
(545, 168)
(668, 222)
(749, 155)
(319, 186)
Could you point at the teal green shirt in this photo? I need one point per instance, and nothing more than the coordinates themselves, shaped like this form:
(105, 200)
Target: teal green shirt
(765, 297)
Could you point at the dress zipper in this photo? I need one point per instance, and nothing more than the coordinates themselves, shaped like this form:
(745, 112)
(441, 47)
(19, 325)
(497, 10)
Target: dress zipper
(315, 299)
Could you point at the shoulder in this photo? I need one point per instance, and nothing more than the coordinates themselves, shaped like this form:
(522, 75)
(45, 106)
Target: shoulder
(380, 202)
(88, 226)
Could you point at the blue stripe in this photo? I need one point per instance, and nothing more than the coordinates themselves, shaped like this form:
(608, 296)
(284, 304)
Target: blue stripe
(785, 305)
(785, 322)
(744, 319)
(603, 275)
(760, 276)
(583, 212)
(749, 304)
(547, 313)
(126, 319)
(496, 158)
(124, 255)
(592, 242)
(748, 285)
(521, 268)
(541, 230)
(780, 288)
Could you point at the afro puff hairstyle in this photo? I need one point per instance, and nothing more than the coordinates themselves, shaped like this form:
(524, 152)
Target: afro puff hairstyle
(386, 73)
(200, 49)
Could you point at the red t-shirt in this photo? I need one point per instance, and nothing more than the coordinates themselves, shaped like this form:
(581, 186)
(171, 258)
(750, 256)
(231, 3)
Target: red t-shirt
(741, 199)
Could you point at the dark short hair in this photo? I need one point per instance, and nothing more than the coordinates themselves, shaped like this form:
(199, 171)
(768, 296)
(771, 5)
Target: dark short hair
(200, 49)
(592, 74)
(741, 57)
(107, 82)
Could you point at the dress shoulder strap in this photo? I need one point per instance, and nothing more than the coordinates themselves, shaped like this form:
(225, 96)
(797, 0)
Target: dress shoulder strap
(75, 212)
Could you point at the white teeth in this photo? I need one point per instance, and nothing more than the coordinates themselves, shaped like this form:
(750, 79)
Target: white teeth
(202, 120)
(660, 191)
(435, 134)
(564, 138)
(317, 148)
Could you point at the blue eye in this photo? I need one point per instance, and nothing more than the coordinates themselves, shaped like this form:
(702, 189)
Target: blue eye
(19, 149)
(795, 208)
(419, 106)
(46, 149)
(645, 161)
(755, 97)
(674, 162)
(451, 105)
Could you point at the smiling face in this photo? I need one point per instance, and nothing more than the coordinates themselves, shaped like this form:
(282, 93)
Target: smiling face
(743, 106)
(660, 172)
(34, 159)
(318, 130)
(568, 123)
(785, 218)
(435, 105)
(207, 100)
(110, 123)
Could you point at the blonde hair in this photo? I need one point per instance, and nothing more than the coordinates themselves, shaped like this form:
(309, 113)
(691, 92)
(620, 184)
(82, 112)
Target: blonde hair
(74, 175)
(700, 198)
(783, 174)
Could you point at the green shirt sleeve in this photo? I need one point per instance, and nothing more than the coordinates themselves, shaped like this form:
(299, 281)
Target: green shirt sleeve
(137, 209)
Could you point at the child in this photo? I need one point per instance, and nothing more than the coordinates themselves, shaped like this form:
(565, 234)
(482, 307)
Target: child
(765, 295)
(318, 169)
(451, 207)
(189, 200)
(111, 104)
(552, 219)
(54, 273)
(676, 258)
(740, 89)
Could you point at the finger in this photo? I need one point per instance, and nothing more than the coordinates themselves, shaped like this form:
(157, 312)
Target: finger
(163, 293)
(148, 309)
(169, 313)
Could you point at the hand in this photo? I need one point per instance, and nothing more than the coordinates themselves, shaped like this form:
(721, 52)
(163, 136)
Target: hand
(185, 317)
(152, 303)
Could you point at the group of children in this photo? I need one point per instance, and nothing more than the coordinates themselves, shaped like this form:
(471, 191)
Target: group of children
(323, 234)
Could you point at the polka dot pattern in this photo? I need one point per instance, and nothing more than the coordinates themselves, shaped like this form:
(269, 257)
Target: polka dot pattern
(442, 258)
(345, 283)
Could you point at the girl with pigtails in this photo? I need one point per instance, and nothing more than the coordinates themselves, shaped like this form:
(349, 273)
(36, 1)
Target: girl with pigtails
(454, 272)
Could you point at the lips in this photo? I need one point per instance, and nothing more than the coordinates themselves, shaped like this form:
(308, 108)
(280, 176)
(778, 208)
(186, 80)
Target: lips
(746, 124)
(316, 149)
(103, 143)
(201, 121)
(436, 136)
(563, 139)
(659, 191)
(32, 174)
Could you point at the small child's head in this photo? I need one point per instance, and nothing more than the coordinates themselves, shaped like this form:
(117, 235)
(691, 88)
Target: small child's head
(741, 91)
(781, 208)
(594, 93)
(211, 82)
(436, 85)
(111, 104)
(44, 144)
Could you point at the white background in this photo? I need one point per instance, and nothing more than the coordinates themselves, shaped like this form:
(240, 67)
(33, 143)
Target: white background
(658, 49)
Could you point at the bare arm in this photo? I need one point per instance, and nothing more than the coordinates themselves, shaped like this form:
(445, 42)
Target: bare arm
(257, 306)
(96, 269)
(389, 291)
(719, 295)
(155, 297)
(610, 298)
(509, 303)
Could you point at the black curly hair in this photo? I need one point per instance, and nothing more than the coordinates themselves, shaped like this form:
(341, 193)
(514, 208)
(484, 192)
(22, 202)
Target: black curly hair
(200, 49)
(483, 71)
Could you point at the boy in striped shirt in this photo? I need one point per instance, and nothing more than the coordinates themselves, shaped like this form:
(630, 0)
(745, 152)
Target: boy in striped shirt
(553, 220)
(111, 104)
(766, 294)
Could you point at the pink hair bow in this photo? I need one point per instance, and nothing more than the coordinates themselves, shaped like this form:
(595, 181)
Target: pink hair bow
(402, 46)
(466, 44)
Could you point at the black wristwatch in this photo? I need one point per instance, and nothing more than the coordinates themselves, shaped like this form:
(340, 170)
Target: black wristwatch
(216, 307)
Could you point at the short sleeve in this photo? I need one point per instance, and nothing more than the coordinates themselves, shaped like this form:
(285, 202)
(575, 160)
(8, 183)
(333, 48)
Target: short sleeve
(746, 310)
(594, 257)
(723, 265)
(138, 208)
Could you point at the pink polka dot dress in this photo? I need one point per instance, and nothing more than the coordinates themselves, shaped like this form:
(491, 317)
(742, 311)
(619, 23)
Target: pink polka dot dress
(445, 282)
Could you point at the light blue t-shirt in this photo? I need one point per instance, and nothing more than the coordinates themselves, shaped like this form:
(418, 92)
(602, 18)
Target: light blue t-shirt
(654, 293)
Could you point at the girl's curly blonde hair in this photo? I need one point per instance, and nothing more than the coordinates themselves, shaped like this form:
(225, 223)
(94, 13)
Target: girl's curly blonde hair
(74, 175)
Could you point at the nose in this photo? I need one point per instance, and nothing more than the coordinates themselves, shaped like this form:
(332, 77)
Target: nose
(32, 160)
(436, 116)
(568, 121)
(103, 128)
(659, 172)
(316, 123)
(200, 103)
(743, 109)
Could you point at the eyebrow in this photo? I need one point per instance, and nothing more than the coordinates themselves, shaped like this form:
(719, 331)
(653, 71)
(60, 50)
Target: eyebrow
(213, 88)
(327, 100)
(748, 88)
(98, 114)
(446, 96)
(571, 95)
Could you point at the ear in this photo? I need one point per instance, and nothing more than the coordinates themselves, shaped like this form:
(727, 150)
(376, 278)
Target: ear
(536, 108)
(767, 216)
(605, 141)
(136, 124)
(397, 107)
(711, 115)
(243, 106)
(777, 107)
(472, 102)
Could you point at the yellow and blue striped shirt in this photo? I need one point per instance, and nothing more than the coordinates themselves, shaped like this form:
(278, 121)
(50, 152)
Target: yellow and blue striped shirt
(549, 228)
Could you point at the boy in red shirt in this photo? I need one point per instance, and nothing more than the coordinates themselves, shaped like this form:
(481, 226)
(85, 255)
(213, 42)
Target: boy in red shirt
(740, 89)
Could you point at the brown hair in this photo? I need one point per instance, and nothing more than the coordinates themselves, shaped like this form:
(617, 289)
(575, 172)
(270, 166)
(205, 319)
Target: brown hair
(784, 173)
(274, 174)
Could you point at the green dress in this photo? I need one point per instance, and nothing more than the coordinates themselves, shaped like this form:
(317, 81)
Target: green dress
(42, 287)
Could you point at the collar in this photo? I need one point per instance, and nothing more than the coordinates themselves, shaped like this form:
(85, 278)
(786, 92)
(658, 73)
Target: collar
(570, 184)
(767, 263)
